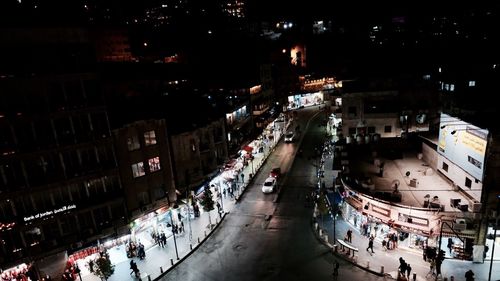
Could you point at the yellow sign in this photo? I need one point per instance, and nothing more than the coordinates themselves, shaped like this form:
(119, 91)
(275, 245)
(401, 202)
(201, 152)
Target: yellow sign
(473, 142)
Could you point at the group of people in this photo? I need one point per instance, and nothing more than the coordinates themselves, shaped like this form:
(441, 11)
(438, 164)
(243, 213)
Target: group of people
(135, 250)
(404, 270)
(159, 238)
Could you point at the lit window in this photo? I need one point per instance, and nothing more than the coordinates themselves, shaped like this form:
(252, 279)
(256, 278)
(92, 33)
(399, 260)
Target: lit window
(154, 164)
(472, 83)
(149, 138)
(133, 143)
(138, 169)
(452, 87)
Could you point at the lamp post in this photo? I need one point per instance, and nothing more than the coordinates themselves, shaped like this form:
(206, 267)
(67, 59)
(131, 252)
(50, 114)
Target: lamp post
(219, 194)
(172, 221)
(494, 238)
(188, 196)
(439, 248)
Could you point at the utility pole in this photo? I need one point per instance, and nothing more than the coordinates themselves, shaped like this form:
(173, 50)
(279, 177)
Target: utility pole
(494, 238)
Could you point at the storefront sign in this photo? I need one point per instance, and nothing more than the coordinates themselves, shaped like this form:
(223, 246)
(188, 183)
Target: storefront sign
(381, 211)
(413, 220)
(49, 213)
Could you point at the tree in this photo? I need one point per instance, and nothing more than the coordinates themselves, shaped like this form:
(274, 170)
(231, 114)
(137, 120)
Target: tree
(103, 267)
(322, 206)
(208, 203)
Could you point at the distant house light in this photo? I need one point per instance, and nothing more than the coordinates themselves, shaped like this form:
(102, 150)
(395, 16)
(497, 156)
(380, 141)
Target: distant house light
(472, 83)
(439, 70)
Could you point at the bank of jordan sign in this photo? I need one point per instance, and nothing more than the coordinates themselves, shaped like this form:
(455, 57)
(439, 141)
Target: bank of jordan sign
(49, 213)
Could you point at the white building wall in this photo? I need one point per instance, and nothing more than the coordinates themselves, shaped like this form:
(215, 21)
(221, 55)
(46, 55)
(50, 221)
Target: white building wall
(430, 156)
(458, 177)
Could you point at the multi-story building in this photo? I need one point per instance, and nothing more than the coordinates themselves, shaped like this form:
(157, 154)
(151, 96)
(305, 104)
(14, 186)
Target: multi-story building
(144, 158)
(59, 181)
(198, 154)
(382, 109)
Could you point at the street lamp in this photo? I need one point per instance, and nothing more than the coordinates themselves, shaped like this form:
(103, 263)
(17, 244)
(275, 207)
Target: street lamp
(494, 238)
(188, 196)
(438, 262)
(172, 221)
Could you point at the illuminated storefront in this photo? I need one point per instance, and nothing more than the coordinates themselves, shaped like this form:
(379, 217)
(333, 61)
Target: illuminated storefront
(304, 100)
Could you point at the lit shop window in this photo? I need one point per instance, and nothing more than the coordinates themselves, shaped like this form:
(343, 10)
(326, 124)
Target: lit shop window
(154, 164)
(149, 138)
(133, 143)
(138, 169)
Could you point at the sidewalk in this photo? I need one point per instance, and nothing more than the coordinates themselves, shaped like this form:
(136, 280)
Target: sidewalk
(386, 263)
(159, 260)
(389, 259)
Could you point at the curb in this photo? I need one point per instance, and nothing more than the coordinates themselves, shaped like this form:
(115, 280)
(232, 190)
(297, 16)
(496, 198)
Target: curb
(190, 252)
(251, 180)
(332, 248)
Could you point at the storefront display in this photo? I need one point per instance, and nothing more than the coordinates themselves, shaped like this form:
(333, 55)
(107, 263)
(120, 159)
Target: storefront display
(23, 272)
(303, 100)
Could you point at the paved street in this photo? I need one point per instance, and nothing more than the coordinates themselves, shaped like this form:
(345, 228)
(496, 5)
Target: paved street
(271, 237)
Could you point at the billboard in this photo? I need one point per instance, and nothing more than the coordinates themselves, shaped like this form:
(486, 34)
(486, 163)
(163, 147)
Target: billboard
(463, 144)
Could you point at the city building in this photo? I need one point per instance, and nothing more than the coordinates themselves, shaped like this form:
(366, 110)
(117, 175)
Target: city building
(60, 186)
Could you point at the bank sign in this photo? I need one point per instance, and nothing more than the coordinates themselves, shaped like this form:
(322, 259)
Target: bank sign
(49, 213)
(463, 144)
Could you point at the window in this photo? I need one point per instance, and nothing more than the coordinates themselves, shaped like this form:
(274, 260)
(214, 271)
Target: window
(143, 198)
(472, 83)
(468, 182)
(352, 110)
(388, 129)
(154, 164)
(445, 167)
(133, 143)
(149, 138)
(138, 169)
(371, 130)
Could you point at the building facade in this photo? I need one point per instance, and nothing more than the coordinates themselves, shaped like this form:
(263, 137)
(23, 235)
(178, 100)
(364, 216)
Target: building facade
(198, 154)
(144, 158)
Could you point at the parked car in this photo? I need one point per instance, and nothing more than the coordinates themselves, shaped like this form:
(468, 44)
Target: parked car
(269, 185)
(289, 137)
(275, 173)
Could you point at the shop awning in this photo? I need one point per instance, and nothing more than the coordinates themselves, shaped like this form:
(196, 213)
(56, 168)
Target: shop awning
(248, 148)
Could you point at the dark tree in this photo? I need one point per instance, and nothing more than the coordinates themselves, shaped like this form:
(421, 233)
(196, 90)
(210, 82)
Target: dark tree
(103, 267)
(208, 203)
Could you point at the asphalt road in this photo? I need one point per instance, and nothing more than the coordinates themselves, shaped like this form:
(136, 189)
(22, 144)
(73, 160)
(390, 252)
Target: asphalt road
(248, 247)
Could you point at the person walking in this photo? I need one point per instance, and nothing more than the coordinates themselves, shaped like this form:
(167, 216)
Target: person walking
(432, 266)
(450, 244)
(349, 235)
(469, 275)
(370, 245)
(408, 271)
(402, 266)
(336, 270)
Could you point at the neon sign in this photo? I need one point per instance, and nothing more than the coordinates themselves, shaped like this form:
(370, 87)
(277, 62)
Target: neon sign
(49, 213)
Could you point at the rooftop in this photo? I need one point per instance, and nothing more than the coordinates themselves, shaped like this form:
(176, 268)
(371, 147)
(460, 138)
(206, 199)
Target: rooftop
(417, 181)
